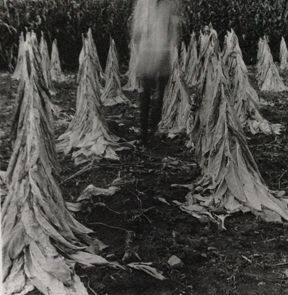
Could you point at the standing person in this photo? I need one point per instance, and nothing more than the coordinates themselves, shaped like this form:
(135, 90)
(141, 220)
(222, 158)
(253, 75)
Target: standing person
(155, 35)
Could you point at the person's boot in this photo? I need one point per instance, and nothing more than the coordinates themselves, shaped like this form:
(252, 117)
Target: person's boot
(144, 125)
(156, 113)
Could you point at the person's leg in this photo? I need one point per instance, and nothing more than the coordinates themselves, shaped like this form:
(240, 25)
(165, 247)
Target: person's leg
(157, 111)
(145, 99)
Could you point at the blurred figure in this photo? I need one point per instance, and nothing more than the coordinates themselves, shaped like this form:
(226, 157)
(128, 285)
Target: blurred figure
(155, 35)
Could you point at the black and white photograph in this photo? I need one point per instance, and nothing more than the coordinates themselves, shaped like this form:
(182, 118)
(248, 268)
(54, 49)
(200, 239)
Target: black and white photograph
(144, 147)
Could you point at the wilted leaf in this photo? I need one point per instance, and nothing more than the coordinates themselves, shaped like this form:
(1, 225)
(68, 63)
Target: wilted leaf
(267, 73)
(163, 201)
(74, 207)
(88, 132)
(88, 259)
(56, 71)
(188, 186)
(147, 269)
(93, 191)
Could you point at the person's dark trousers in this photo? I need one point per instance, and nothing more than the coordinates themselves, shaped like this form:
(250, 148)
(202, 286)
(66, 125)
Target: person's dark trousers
(149, 84)
(156, 112)
(145, 100)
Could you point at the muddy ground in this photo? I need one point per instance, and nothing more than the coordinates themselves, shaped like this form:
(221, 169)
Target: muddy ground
(250, 257)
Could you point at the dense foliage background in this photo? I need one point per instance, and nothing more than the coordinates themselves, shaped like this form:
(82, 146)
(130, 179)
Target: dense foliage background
(67, 19)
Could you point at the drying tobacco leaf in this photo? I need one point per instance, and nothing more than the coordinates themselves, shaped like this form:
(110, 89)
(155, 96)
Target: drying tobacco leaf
(177, 104)
(88, 132)
(191, 63)
(205, 40)
(31, 49)
(283, 55)
(183, 56)
(81, 55)
(41, 241)
(244, 97)
(113, 93)
(19, 65)
(3, 187)
(230, 180)
(56, 71)
(95, 59)
(73, 207)
(208, 42)
(267, 73)
(87, 50)
(46, 64)
(93, 191)
(147, 269)
(112, 59)
(133, 83)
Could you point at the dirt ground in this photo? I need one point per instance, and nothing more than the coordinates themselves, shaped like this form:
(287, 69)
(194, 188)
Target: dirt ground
(250, 257)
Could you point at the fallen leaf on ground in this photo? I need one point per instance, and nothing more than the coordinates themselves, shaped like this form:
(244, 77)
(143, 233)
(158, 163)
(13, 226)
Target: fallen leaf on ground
(188, 186)
(148, 269)
(89, 259)
(93, 191)
(163, 201)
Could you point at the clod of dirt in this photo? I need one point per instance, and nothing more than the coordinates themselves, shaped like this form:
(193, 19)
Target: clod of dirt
(175, 262)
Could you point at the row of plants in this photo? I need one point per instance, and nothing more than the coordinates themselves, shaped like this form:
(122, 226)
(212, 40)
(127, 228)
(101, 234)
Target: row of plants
(66, 20)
